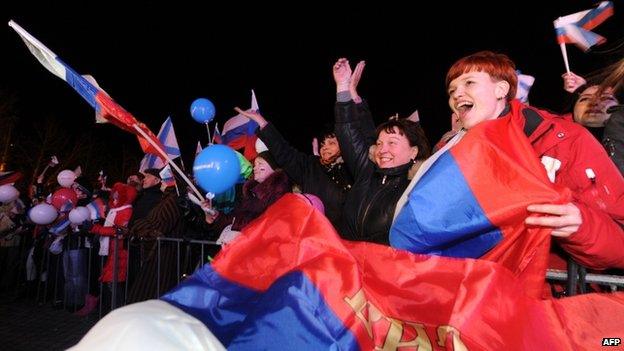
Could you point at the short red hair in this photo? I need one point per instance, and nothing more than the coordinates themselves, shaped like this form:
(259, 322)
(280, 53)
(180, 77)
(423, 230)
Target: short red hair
(498, 66)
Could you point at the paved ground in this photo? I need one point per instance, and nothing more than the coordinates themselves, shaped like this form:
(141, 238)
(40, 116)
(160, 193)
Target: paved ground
(26, 325)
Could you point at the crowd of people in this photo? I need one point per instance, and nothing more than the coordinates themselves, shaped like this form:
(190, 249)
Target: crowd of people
(361, 180)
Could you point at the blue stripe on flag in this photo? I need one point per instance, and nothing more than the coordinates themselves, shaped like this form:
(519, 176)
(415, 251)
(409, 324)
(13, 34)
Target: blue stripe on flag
(290, 315)
(81, 85)
(246, 129)
(443, 217)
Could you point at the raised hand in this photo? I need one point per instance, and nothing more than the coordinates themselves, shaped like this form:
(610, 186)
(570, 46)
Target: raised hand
(571, 82)
(355, 80)
(565, 220)
(315, 147)
(342, 74)
(252, 115)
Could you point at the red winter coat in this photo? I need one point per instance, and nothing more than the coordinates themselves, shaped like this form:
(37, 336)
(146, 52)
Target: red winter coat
(599, 242)
(120, 205)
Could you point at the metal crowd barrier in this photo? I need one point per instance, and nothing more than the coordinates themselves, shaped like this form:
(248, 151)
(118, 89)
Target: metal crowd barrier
(575, 277)
(52, 286)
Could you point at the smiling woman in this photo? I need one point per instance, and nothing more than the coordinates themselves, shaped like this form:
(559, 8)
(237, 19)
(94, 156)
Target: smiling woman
(481, 88)
(369, 205)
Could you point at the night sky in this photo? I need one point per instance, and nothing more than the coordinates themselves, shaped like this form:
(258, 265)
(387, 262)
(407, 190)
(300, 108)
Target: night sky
(155, 60)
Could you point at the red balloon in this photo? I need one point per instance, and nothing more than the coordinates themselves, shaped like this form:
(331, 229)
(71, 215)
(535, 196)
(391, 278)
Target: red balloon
(64, 199)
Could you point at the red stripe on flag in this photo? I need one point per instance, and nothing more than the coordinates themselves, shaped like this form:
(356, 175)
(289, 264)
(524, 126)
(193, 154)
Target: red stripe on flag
(123, 119)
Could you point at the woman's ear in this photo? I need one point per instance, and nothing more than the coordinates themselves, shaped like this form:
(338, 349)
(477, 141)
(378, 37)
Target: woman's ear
(502, 89)
(414, 152)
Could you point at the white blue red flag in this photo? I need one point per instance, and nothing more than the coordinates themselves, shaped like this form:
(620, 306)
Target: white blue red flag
(104, 106)
(308, 290)
(576, 28)
(239, 132)
(525, 82)
(167, 137)
(167, 176)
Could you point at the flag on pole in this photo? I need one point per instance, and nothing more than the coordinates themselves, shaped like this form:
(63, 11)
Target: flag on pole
(166, 175)
(525, 82)
(239, 132)
(104, 106)
(576, 28)
(166, 135)
(216, 135)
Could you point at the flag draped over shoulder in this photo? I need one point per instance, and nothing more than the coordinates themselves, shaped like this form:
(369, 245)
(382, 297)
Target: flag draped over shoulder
(104, 106)
(576, 28)
(472, 203)
(289, 282)
(239, 132)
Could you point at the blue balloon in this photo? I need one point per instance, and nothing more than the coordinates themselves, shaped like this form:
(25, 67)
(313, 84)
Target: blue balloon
(216, 168)
(202, 110)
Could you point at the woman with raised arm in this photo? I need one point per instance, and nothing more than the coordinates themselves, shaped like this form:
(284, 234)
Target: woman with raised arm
(378, 183)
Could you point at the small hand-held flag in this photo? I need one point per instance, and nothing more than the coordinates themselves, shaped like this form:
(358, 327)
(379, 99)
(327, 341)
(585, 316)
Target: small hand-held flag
(525, 82)
(575, 28)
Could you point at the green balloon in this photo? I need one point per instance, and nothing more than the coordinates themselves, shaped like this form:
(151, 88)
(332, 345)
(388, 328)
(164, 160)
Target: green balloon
(246, 168)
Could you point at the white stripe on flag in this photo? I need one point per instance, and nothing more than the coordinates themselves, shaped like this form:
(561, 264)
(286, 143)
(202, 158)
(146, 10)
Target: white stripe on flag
(45, 56)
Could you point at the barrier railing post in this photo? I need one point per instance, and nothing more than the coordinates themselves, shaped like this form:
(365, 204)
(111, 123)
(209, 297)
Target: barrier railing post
(114, 278)
(158, 268)
(572, 277)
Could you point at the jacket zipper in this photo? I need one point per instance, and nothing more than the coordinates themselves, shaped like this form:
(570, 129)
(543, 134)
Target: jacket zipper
(369, 205)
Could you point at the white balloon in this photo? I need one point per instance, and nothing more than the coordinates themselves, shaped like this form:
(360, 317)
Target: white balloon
(8, 193)
(43, 214)
(79, 214)
(260, 146)
(66, 178)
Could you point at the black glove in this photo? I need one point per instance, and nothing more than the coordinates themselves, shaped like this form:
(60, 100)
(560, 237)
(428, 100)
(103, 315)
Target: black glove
(86, 226)
(122, 231)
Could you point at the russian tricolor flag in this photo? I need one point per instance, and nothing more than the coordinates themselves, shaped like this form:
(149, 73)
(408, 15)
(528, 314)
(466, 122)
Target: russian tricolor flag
(472, 202)
(525, 82)
(308, 290)
(85, 86)
(239, 132)
(575, 28)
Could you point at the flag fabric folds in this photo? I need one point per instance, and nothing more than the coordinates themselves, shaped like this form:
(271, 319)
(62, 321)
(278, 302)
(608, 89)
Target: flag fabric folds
(472, 203)
(289, 280)
(239, 132)
(10, 177)
(104, 106)
(166, 135)
(576, 28)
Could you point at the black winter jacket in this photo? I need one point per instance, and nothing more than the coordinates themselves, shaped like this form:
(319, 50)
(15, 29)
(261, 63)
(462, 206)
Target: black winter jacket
(613, 138)
(330, 184)
(369, 206)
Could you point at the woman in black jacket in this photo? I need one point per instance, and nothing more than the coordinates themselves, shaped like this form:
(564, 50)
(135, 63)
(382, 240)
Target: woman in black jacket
(324, 176)
(378, 184)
